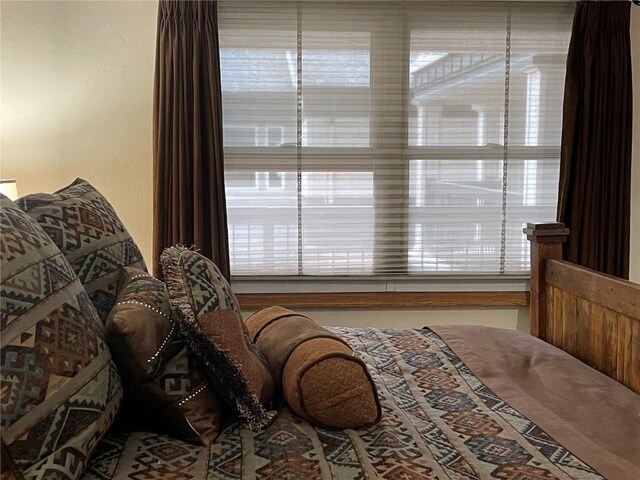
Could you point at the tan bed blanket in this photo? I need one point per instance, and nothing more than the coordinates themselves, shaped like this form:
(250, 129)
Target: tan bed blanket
(591, 415)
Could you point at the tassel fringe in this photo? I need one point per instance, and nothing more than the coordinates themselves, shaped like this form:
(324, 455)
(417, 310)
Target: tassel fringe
(217, 361)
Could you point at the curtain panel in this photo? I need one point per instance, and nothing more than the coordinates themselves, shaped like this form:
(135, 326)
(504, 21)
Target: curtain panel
(189, 194)
(595, 171)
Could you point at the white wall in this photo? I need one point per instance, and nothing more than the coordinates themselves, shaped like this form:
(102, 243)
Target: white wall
(504, 317)
(77, 83)
(77, 93)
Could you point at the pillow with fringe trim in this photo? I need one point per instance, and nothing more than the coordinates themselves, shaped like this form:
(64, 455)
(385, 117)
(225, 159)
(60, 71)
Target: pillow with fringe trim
(209, 316)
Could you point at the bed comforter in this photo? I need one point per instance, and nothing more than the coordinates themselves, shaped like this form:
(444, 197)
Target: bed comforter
(459, 402)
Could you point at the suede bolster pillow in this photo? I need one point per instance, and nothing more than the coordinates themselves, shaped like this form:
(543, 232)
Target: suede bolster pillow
(321, 378)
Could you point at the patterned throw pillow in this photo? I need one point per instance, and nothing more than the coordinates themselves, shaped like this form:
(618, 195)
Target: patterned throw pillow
(86, 228)
(209, 316)
(165, 390)
(60, 388)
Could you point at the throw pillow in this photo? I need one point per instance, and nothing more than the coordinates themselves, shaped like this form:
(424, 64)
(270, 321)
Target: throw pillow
(60, 387)
(322, 380)
(86, 228)
(8, 469)
(209, 317)
(164, 388)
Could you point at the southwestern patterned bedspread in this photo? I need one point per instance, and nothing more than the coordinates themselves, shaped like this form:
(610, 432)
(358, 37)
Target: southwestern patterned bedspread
(458, 403)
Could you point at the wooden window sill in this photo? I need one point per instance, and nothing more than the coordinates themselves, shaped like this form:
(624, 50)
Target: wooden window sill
(251, 301)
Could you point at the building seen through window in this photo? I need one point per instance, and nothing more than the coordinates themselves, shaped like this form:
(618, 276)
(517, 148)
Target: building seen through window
(400, 164)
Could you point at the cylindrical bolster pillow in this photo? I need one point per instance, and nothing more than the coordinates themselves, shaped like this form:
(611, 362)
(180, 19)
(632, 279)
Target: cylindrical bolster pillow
(321, 378)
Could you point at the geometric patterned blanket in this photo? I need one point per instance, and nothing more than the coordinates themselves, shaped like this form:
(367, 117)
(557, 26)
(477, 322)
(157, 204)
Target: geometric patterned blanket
(439, 421)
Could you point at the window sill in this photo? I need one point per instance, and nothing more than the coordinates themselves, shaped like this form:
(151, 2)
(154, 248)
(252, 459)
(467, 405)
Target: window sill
(251, 301)
(376, 292)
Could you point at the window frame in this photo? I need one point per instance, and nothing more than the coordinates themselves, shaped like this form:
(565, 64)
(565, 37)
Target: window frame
(541, 153)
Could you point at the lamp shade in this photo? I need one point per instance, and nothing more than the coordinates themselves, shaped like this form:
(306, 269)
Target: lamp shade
(9, 188)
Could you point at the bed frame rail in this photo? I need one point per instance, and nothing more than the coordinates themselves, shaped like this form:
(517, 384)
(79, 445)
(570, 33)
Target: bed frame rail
(592, 316)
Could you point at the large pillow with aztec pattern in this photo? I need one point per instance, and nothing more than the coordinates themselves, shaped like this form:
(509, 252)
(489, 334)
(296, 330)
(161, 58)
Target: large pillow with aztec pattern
(60, 387)
(87, 230)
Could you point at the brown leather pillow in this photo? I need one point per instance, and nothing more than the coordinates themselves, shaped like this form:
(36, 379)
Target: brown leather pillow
(209, 317)
(165, 387)
(322, 379)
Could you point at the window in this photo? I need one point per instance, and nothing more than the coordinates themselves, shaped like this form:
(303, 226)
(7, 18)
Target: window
(390, 139)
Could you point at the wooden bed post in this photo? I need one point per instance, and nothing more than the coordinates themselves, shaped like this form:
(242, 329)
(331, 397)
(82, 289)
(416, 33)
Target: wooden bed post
(546, 243)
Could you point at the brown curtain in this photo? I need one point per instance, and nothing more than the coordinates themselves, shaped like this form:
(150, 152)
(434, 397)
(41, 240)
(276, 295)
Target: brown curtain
(189, 197)
(595, 168)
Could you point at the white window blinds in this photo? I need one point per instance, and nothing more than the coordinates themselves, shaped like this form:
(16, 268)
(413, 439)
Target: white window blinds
(390, 138)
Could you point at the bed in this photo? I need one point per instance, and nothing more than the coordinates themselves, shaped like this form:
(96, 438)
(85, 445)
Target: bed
(459, 402)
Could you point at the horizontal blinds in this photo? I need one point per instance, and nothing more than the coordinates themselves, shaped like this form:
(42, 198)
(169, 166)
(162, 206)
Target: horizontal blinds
(369, 138)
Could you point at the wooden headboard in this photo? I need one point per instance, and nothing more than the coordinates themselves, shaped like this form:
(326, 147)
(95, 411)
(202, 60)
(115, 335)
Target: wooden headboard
(592, 316)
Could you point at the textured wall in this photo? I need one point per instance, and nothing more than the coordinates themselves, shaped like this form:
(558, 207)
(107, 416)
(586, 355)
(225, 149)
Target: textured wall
(77, 92)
